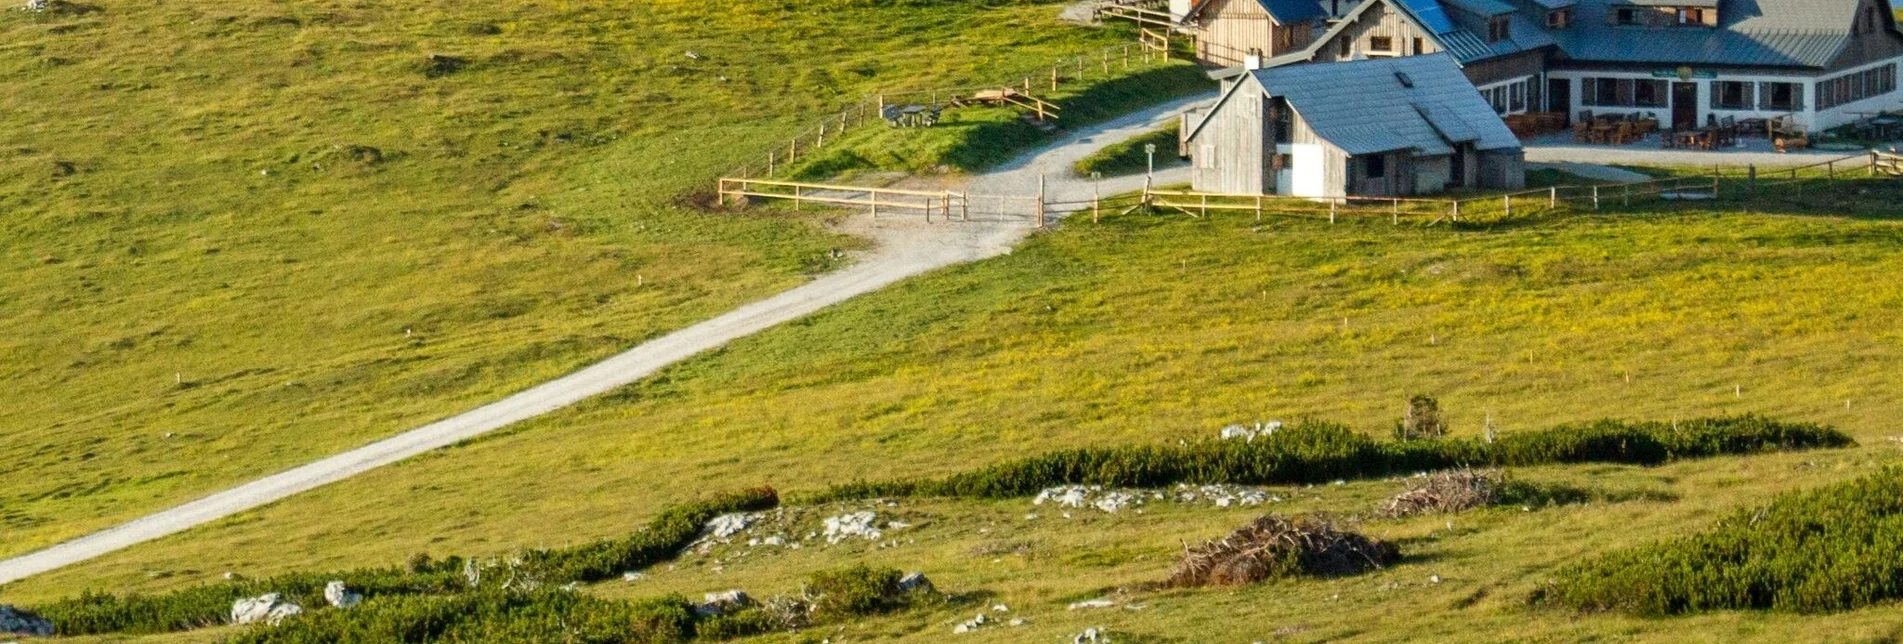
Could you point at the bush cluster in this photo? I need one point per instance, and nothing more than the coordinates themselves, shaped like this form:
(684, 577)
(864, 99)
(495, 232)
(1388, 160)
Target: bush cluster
(1315, 452)
(562, 616)
(209, 605)
(1831, 549)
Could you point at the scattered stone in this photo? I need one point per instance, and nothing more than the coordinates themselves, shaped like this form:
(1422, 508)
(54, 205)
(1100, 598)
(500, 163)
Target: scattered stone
(1433, 579)
(714, 604)
(1017, 621)
(1093, 635)
(693, 55)
(1273, 546)
(35, 6)
(915, 581)
(230, 576)
(1000, 608)
(269, 608)
(1092, 603)
(775, 540)
(1248, 434)
(855, 525)
(341, 596)
(1069, 496)
(972, 624)
(632, 576)
(15, 621)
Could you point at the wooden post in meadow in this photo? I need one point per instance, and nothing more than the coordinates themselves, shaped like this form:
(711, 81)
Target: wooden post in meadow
(1040, 201)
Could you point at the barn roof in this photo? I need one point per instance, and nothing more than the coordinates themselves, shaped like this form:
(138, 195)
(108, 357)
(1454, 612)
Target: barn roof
(1774, 33)
(1422, 103)
(1283, 11)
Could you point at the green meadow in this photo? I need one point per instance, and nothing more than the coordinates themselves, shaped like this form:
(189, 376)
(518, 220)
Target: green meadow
(240, 237)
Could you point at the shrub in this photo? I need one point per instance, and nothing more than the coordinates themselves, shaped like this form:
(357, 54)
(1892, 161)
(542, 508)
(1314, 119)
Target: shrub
(850, 592)
(1274, 547)
(488, 616)
(1832, 549)
(1315, 452)
(660, 540)
(1422, 420)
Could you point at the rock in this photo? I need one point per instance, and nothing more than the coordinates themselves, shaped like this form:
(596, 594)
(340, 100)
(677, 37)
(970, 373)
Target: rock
(775, 540)
(723, 602)
(1114, 501)
(972, 624)
(1093, 603)
(269, 608)
(727, 525)
(341, 596)
(1017, 621)
(857, 524)
(632, 576)
(693, 55)
(14, 621)
(34, 5)
(915, 582)
(1094, 634)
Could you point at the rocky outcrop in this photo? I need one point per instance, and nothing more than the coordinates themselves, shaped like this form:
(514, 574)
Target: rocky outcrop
(14, 621)
(341, 596)
(269, 608)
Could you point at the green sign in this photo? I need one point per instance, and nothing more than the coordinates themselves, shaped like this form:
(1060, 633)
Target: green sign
(1683, 73)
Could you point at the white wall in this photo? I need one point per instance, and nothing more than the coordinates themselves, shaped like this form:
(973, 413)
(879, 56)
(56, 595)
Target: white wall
(1848, 112)
(1309, 175)
(1806, 116)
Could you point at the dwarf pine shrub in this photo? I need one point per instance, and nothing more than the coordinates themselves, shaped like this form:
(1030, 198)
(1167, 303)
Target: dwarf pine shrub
(209, 605)
(1831, 549)
(1316, 452)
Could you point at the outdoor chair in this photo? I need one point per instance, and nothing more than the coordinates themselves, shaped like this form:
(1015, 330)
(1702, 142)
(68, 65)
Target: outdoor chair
(1623, 135)
(1582, 132)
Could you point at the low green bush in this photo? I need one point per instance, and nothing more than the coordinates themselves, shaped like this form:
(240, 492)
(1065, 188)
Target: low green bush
(660, 540)
(1315, 452)
(555, 615)
(1832, 549)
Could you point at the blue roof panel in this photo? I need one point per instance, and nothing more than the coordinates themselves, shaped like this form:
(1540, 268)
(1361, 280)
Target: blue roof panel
(1430, 15)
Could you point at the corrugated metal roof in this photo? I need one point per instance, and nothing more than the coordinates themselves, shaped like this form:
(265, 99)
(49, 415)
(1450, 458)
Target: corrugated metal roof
(1767, 33)
(1363, 107)
(1467, 46)
(1482, 7)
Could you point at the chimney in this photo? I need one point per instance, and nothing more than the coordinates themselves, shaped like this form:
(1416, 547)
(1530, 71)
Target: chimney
(1252, 61)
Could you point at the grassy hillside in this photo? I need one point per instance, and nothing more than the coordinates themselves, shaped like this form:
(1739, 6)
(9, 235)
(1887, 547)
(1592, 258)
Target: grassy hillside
(1154, 329)
(240, 236)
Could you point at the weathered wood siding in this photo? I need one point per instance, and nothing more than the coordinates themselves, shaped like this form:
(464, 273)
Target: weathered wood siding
(1231, 29)
(1869, 46)
(1431, 174)
(1503, 169)
(1379, 21)
(1396, 181)
(1504, 68)
(1230, 154)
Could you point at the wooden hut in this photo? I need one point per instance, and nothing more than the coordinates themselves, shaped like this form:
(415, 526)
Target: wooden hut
(1385, 127)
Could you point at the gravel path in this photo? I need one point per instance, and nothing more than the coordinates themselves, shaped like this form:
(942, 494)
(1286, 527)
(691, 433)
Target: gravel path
(907, 246)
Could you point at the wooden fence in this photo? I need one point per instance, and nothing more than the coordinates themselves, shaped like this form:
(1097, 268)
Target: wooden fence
(944, 205)
(1018, 88)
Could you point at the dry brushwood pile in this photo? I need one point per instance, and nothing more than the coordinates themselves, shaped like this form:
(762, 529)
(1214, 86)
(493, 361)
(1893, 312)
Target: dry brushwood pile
(1275, 546)
(1444, 491)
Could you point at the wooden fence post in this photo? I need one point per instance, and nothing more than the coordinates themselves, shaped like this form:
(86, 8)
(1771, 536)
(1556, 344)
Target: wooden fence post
(1397, 212)
(821, 142)
(1714, 187)
(1096, 199)
(1053, 78)
(1456, 210)
(1873, 163)
(1040, 201)
(1552, 197)
(1205, 206)
(1830, 170)
(720, 193)
(797, 197)
(769, 162)
(875, 204)
(1258, 209)
(1331, 210)
(1595, 197)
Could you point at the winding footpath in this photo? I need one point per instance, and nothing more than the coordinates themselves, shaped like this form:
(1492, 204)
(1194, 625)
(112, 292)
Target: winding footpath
(907, 248)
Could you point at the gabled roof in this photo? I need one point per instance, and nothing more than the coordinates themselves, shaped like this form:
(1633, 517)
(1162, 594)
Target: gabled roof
(1431, 18)
(1283, 11)
(1757, 33)
(1418, 103)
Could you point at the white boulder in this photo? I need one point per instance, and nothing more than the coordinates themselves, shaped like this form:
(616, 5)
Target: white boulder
(269, 608)
(341, 596)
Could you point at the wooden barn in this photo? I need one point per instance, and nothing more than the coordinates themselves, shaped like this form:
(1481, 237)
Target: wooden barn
(1230, 33)
(1384, 127)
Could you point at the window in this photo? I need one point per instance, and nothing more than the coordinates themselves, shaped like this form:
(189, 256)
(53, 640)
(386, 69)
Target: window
(1690, 16)
(1284, 124)
(1559, 18)
(1731, 95)
(1420, 46)
(1380, 45)
(1375, 167)
(1516, 101)
(1346, 48)
(1856, 86)
(1784, 97)
(1625, 16)
(1498, 29)
(1624, 92)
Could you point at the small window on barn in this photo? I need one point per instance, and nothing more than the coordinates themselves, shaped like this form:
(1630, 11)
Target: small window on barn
(1498, 29)
(1375, 167)
(1380, 45)
(1347, 48)
(1420, 46)
(1625, 16)
(1559, 18)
